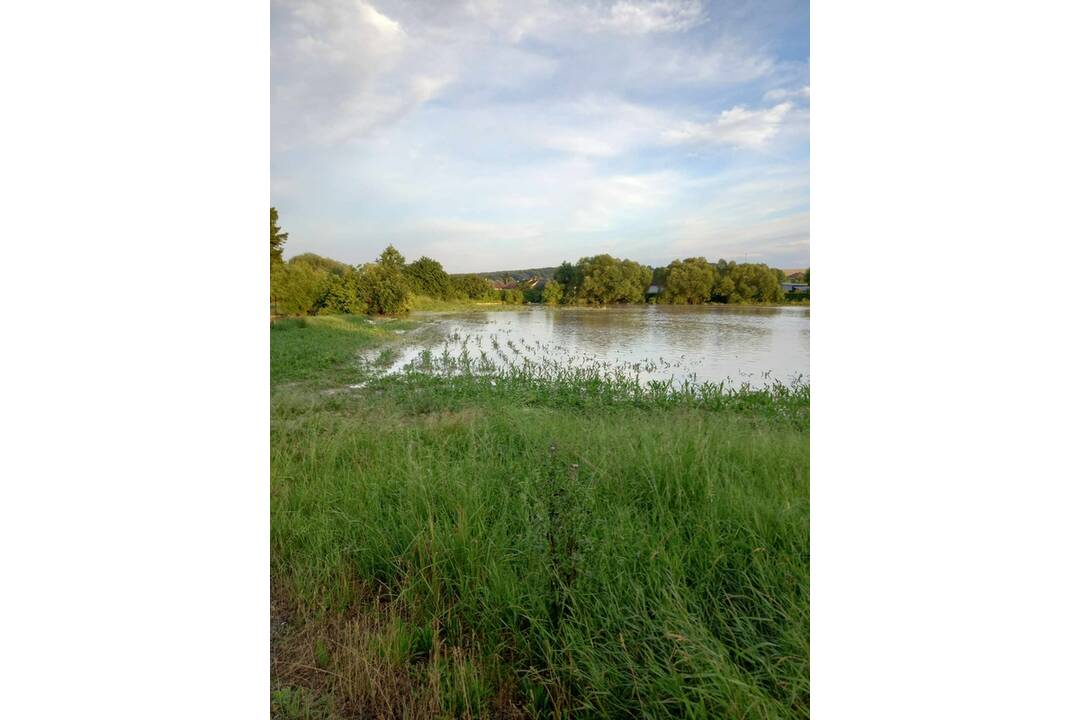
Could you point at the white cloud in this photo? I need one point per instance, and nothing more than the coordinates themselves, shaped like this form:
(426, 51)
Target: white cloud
(330, 68)
(606, 201)
(538, 18)
(738, 126)
(655, 16)
(595, 127)
(788, 94)
(498, 133)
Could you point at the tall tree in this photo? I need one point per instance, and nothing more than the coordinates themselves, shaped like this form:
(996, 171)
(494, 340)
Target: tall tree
(427, 277)
(473, 287)
(606, 279)
(323, 263)
(568, 275)
(751, 282)
(689, 282)
(391, 258)
(552, 293)
(382, 285)
(277, 238)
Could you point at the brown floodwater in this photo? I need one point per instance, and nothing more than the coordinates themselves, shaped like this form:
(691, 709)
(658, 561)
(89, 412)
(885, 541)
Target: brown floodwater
(714, 343)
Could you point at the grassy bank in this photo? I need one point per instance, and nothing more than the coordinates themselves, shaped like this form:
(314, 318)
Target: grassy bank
(461, 545)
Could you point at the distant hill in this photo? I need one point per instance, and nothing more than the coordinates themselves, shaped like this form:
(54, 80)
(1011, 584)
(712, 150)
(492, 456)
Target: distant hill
(501, 277)
(498, 276)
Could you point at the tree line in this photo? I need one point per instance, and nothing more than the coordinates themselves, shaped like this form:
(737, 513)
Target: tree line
(311, 284)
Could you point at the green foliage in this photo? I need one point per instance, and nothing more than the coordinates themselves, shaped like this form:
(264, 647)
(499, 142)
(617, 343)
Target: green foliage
(296, 288)
(654, 564)
(322, 263)
(749, 282)
(427, 277)
(569, 276)
(277, 238)
(309, 284)
(688, 282)
(473, 287)
(552, 293)
(315, 348)
(533, 294)
(659, 276)
(512, 296)
(391, 258)
(342, 295)
(294, 703)
(605, 279)
(382, 286)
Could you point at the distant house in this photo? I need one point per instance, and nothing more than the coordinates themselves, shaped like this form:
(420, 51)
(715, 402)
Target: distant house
(653, 290)
(795, 287)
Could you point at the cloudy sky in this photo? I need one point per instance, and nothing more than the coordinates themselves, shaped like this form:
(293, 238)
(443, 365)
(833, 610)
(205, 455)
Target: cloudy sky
(496, 135)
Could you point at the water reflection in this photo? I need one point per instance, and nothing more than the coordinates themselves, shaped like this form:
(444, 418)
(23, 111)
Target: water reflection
(696, 343)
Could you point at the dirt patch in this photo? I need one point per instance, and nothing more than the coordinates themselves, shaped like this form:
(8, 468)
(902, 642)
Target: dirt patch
(451, 419)
(374, 661)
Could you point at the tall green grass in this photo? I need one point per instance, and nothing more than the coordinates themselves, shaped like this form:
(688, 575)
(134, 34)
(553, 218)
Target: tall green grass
(545, 547)
(324, 347)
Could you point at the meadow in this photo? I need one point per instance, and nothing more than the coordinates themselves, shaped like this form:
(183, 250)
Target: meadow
(472, 541)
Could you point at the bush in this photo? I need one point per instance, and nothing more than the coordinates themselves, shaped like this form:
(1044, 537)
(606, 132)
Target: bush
(752, 282)
(512, 296)
(296, 288)
(553, 293)
(427, 277)
(384, 290)
(473, 287)
(342, 296)
(688, 282)
(605, 279)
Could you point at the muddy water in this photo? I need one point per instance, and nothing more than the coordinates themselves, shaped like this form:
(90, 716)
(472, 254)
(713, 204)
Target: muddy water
(715, 343)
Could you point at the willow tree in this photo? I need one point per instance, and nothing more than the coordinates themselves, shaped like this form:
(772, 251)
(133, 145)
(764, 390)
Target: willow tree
(689, 282)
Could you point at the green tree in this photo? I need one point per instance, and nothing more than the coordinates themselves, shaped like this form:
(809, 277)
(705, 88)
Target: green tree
(473, 287)
(391, 258)
(427, 277)
(296, 288)
(689, 282)
(569, 276)
(723, 269)
(659, 276)
(342, 295)
(382, 285)
(552, 293)
(606, 279)
(512, 296)
(753, 282)
(277, 238)
(322, 263)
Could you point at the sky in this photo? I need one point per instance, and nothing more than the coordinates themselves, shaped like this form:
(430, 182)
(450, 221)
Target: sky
(497, 135)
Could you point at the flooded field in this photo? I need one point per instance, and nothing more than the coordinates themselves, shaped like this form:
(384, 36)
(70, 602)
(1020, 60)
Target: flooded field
(736, 345)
